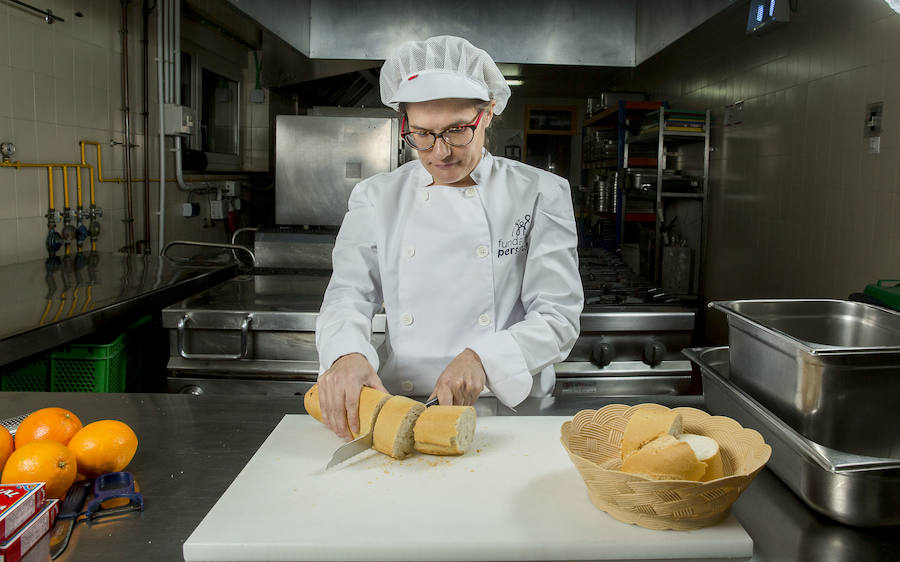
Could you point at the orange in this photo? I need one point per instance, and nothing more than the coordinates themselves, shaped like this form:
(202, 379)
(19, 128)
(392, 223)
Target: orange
(42, 461)
(55, 424)
(103, 446)
(6, 446)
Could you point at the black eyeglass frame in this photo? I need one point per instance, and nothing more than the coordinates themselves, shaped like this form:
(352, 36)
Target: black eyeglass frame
(434, 136)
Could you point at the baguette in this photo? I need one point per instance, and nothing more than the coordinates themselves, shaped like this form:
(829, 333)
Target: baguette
(445, 430)
(645, 426)
(370, 403)
(665, 458)
(707, 451)
(394, 427)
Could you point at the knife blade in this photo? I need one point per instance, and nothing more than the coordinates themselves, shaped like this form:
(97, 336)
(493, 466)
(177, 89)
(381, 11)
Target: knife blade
(350, 449)
(65, 521)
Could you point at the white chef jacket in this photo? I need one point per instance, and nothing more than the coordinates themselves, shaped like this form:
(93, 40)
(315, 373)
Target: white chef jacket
(493, 267)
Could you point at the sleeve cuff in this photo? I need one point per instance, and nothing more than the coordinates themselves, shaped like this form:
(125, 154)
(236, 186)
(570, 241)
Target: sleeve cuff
(339, 344)
(507, 374)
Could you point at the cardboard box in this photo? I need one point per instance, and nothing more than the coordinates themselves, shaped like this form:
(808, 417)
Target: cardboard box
(30, 534)
(18, 504)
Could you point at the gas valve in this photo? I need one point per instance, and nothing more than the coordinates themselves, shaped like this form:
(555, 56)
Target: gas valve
(54, 242)
(603, 352)
(654, 352)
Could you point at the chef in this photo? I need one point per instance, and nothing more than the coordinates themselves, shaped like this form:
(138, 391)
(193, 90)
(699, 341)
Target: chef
(472, 256)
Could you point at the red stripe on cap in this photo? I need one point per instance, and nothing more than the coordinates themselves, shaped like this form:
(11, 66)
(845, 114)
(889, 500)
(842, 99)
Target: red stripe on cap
(413, 76)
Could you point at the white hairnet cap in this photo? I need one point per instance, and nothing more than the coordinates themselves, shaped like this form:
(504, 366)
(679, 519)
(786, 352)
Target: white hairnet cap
(439, 68)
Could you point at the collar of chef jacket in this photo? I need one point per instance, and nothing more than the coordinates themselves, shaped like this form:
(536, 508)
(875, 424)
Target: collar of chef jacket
(479, 174)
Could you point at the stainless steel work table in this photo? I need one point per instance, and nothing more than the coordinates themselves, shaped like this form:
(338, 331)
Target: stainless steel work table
(47, 304)
(192, 447)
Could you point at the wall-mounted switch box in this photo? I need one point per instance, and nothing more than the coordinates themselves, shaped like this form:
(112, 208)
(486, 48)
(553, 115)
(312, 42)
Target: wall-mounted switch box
(231, 188)
(216, 210)
(180, 119)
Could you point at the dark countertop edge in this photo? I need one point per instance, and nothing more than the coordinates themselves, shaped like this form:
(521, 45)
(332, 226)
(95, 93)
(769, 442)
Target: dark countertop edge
(14, 347)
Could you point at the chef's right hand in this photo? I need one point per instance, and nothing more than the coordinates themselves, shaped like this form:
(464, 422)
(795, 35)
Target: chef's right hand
(339, 389)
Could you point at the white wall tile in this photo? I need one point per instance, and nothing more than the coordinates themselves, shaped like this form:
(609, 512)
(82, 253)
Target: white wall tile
(21, 42)
(44, 98)
(32, 232)
(8, 241)
(7, 194)
(25, 139)
(28, 199)
(99, 108)
(5, 91)
(64, 57)
(22, 88)
(81, 96)
(46, 142)
(44, 38)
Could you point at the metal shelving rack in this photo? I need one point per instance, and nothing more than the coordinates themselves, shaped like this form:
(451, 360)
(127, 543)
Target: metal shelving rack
(667, 140)
(614, 122)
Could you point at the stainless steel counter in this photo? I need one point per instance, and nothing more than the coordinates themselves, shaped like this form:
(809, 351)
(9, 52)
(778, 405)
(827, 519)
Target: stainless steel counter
(45, 305)
(192, 447)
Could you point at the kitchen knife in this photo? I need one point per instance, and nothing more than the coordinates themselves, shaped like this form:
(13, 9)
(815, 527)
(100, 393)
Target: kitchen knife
(358, 445)
(350, 449)
(62, 529)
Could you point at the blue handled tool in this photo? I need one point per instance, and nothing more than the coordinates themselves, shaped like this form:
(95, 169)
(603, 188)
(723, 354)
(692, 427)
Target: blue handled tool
(110, 486)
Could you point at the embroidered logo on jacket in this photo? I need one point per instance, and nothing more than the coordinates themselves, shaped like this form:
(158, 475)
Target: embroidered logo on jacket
(518, 243)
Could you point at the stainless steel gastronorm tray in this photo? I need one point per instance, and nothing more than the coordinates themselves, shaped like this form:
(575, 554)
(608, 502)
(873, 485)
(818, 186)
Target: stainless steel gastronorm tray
(853, 489)
(829, 368)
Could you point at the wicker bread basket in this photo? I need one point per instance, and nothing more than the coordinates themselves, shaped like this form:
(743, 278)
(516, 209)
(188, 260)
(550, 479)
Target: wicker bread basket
(593, 439)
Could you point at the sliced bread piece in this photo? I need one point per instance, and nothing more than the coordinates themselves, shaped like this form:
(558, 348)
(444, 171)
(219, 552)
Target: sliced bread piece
(394, 427)
(707, 451)
(370, 403)
(445, 430)
(665, 458)
(645, 426)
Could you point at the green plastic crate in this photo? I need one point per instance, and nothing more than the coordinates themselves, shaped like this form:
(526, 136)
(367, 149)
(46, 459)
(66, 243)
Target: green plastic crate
(86, 367)
(887, 291)
(31, 375)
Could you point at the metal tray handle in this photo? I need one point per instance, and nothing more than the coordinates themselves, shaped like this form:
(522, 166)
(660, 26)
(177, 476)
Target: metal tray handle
(245, 328)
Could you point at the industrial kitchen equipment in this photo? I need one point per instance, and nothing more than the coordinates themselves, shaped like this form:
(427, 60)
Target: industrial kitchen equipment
(256, 332)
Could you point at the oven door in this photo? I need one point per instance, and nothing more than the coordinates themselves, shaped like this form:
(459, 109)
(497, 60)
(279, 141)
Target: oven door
(260, 352)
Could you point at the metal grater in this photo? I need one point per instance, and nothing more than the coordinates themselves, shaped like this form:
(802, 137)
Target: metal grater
(12, 424)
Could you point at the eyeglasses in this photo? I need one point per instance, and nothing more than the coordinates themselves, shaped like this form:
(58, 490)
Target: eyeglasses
(460, 135)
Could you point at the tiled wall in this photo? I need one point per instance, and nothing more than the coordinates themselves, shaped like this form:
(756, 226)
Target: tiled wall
(798, 206)
(60, 84)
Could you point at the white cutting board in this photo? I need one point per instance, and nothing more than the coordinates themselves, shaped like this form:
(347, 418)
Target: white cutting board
(515, 495)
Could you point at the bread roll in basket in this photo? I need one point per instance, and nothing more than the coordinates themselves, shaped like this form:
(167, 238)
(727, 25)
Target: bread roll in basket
(593, 439)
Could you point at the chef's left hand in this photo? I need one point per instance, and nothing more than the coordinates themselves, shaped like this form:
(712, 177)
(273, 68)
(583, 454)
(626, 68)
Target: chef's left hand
(462, 381)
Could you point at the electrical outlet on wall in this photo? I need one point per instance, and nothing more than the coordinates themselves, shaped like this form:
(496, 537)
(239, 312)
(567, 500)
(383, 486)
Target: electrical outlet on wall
(216, 210)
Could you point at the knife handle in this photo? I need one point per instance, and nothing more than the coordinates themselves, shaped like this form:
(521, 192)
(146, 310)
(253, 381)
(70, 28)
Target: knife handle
(74, 499)
(431, 402)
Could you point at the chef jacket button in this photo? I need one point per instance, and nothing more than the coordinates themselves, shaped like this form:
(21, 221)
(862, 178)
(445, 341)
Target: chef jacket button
(407, 386)
(484, 320)
(425, 195)
(406, 319)
(470, 192)
(410, 251)
(482, 251)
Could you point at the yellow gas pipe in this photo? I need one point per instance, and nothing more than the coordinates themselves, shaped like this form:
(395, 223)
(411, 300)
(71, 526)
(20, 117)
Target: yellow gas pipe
(82, 166)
